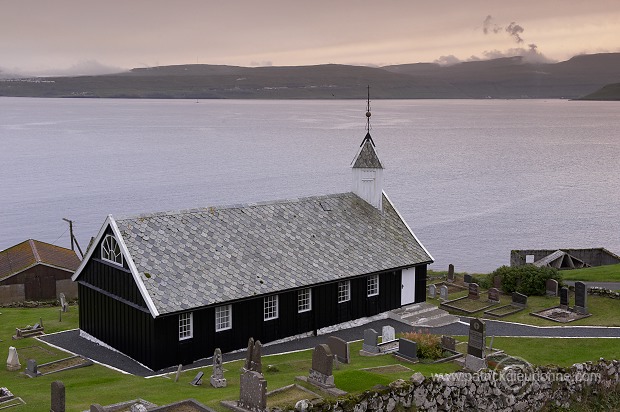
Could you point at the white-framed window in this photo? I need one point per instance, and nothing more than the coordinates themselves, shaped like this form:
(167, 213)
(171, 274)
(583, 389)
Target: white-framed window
(304, 300)
(111, 250)
(186, 325)
(223, 318)
(344, 291)
(270, 307)
(372, 285)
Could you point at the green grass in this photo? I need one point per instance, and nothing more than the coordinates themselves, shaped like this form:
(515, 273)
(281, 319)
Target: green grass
(608, 273)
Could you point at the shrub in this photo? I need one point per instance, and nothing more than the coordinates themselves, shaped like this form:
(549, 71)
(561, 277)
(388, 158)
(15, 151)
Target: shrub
(429, 346)
(528, 279)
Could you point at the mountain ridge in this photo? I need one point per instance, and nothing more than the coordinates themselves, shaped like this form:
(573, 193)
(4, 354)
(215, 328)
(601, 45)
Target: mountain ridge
(508, 77)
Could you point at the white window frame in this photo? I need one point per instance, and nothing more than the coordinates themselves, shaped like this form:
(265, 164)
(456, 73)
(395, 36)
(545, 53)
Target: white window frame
(344, 291)
(223, 318)
(186, 325)
(111, 250)
(270, 307)
(304, 300)
(372, 285)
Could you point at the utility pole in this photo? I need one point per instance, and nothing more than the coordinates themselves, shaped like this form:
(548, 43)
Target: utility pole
(73, 239)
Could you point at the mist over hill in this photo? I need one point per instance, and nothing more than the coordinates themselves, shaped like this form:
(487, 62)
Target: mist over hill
(503, 78)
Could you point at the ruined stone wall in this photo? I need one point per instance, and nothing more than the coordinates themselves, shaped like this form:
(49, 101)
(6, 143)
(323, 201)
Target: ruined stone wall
(526, 389)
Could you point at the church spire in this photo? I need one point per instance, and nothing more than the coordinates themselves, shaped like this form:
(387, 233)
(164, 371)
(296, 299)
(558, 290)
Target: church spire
(367, 168)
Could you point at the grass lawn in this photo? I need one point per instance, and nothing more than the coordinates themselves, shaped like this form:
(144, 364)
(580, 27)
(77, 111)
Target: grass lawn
(608, 273)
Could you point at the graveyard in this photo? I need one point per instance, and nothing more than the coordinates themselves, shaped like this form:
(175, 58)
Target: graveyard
(372, 362)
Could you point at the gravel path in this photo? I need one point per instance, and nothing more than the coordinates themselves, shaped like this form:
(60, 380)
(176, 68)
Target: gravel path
(72, 342)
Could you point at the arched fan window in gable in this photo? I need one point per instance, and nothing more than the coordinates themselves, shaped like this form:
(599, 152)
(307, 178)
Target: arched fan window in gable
(111, 250)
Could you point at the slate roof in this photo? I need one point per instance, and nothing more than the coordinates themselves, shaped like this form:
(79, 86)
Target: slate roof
(28, 253)
(208, 256)
(367, 156)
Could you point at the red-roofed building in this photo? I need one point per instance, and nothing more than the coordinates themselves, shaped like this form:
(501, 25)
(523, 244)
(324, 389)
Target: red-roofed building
(34, 270)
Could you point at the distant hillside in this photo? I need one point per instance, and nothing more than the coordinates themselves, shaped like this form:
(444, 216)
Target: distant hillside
(609, 92)
(499, 78)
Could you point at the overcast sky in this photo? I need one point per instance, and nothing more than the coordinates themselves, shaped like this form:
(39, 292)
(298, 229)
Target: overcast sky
(86, 36)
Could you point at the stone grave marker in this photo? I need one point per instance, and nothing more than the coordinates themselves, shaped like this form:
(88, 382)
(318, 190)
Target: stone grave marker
(253, 356)
(443, 292)
(12, 361)
(448, 343)
(32, 368)
(321, 373)
(253, 391)
(371, 339)
(340, 348)
(581, 298)
(519, 299)
(564, 298)
(63, 302)
(197, 379)
(58, 397)
(432, 291)
(450, 273)
(474, 291)
(474, 360)
(552, 287)
(217, 377)
(388, 334)
(497, 282)
(467, 278)
(407, 349)
(493, 295)
(178, 374)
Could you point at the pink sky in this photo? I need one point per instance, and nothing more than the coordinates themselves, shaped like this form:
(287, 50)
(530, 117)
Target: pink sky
(41, 36)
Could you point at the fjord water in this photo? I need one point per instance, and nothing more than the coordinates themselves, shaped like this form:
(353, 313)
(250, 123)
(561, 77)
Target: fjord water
(473, 178)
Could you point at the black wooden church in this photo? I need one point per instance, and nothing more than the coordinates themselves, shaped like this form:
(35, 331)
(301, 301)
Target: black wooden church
(169, 288)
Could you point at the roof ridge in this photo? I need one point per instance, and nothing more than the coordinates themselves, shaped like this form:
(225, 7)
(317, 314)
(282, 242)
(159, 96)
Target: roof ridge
(230, 206)
(35, 252)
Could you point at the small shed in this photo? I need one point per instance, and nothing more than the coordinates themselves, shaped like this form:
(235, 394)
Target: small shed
(35, 270)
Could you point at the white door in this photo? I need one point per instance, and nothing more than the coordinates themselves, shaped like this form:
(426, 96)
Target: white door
(407, 292)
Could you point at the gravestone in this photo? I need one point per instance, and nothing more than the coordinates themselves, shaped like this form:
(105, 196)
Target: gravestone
(448, 343)
(32, 368)
(497, 282)
(474, 292)
(581, 298)
(340, 349)
(388, 334)
(552, 287)
(58, 397)
(12, 361)
(432, 291)
(197, 379)
(63, 302)
(467, 278)
(474, 361)
(407, 349)
(322, 367)
(519, 299)
(450, 273)
(253, 356)
(371, 339)
(443, 292)
(179, 369)
(564, 298)
(253, 391)
(217, 377)
(493, 295)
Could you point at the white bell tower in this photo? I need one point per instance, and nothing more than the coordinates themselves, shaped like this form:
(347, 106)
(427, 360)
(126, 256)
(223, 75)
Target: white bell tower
(367, 169)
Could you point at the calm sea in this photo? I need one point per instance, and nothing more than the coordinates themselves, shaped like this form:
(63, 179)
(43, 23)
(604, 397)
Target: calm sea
(474, 179)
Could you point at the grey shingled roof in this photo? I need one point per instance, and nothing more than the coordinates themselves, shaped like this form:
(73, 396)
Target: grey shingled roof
(207, 256)
(367, 157)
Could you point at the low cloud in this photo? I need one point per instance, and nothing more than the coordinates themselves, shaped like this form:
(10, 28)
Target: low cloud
(449, 60)
(266, 63)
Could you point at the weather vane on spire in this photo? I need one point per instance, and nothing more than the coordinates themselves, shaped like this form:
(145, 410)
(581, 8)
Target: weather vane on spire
(368, 111)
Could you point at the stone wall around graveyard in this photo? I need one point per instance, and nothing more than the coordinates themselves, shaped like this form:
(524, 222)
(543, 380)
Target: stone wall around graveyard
(468, 391)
